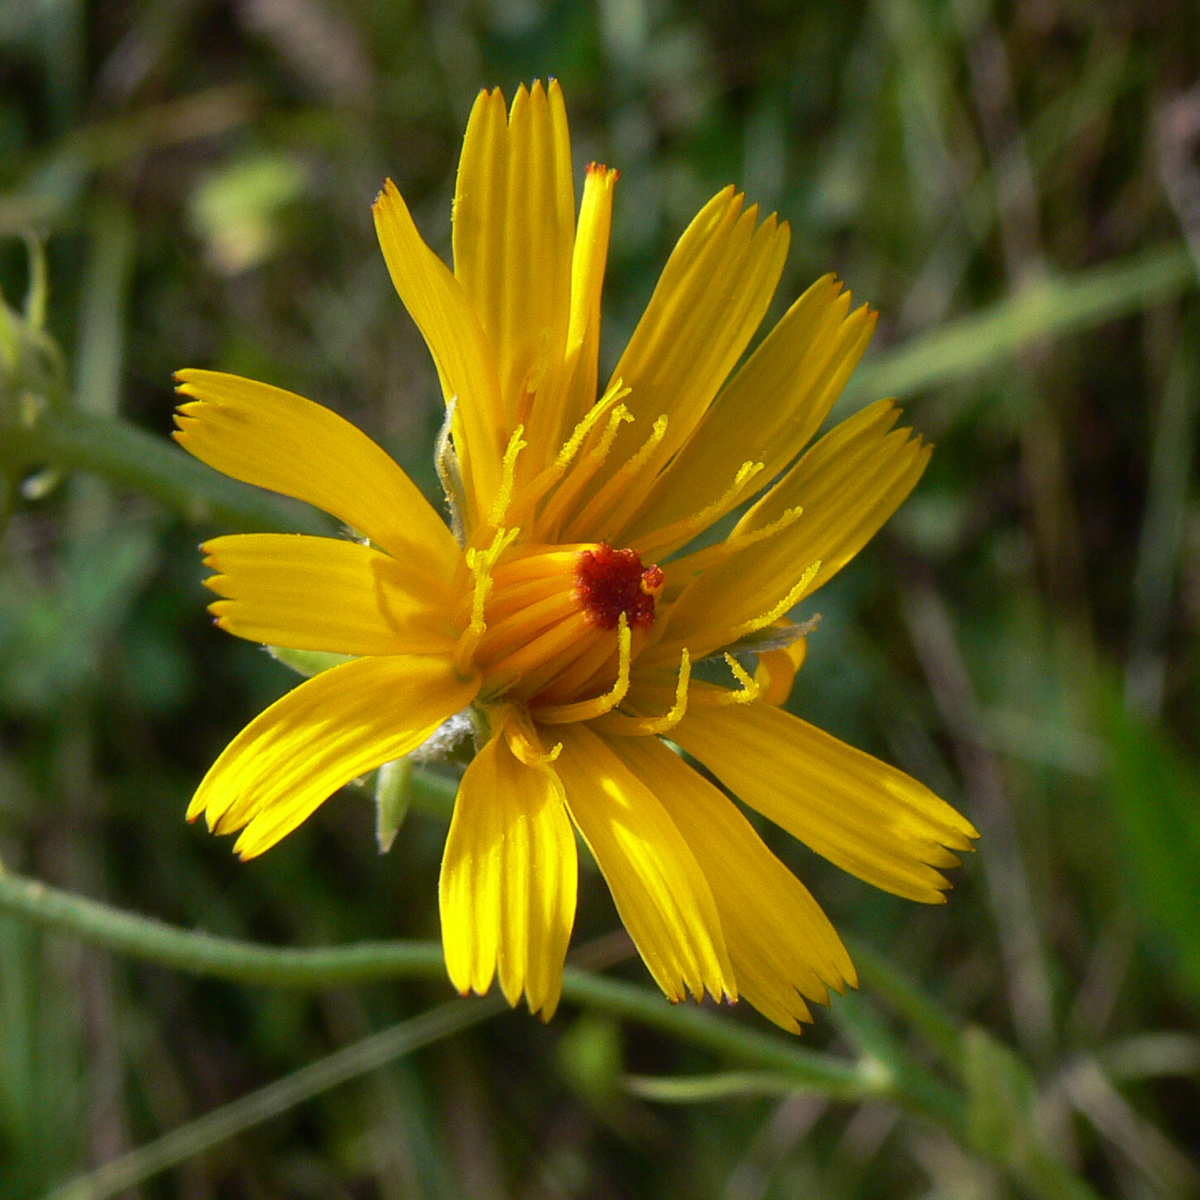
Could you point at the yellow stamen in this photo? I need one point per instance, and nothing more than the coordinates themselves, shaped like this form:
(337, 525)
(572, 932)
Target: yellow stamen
(524, 742)
(713, 556)
(769, 618)
(571, 447)
(681, 532)
(571, 487)
(585, 710)
(509, 472)
(617, 490)
(621, 725)
(531, 493)
(481, 563)
(750, 687)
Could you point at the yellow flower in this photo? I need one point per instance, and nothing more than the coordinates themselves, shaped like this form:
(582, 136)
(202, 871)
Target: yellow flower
(566, 608)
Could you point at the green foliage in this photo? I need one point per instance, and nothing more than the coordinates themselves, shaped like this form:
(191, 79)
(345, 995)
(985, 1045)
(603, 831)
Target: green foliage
(1012, 187)
(1155, 796)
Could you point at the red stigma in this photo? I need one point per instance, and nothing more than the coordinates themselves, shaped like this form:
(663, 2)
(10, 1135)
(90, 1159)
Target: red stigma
(610, 582)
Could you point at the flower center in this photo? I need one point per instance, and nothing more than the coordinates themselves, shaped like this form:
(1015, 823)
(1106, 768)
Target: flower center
(611, 582)
(552, 621)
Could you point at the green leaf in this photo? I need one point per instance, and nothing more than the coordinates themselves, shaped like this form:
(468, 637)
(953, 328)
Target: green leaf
(1002, 1119)
(589, 1057)
(393, 798)
(307, 662)
(1000, 1096)
(1155, 797)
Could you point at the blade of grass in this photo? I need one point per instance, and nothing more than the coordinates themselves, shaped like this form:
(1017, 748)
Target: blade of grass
(1044, 309)
(359, 1058)
(925, 1015)
(704, 1089)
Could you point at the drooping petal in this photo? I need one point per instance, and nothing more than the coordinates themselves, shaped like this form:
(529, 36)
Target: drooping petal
(782, 946)
(323, 733)
(767, 412)
(508, 881)
(659, 889)
(711, 297)
(514, 232)
(314, 593)
(864, 816)
(777, 669)
(847, 485)
(275, 439)
(442, 310)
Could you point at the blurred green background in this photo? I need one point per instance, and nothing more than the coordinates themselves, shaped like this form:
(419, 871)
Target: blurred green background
(1013, 186)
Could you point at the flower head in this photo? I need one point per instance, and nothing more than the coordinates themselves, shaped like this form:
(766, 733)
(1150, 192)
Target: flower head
(567, 606)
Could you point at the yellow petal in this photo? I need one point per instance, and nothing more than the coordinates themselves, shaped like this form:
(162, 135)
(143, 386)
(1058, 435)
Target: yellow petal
(514, 231)
(275, 439)
(587, 280)
(550, 425)
(313, 593)
(710, 299)
(658, 887)
(777, 671)
(863, 815)
(781, 945)
(443, 313)
(508, 881)
(847, 485)
(322, 734)
(769, 409)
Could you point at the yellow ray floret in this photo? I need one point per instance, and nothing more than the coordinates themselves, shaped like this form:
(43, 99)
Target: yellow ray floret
(782, 947)
(776, 671)
(311, 593)
(659, 888)
(801, 365)
(331, 728)
(465, 361)
(278, 440)
(847, 485)
(866, 817)
(711, 297)
(508, 881)
(514, 222)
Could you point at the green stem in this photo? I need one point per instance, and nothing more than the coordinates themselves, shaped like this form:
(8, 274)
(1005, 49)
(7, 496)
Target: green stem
(808, 1070)
(243, 962)
(222, 958)
(132, 458)
(888, 1077)
(908, 1001)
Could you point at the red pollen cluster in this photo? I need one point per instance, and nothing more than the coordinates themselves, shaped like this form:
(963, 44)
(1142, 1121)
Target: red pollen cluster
(610, 582)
